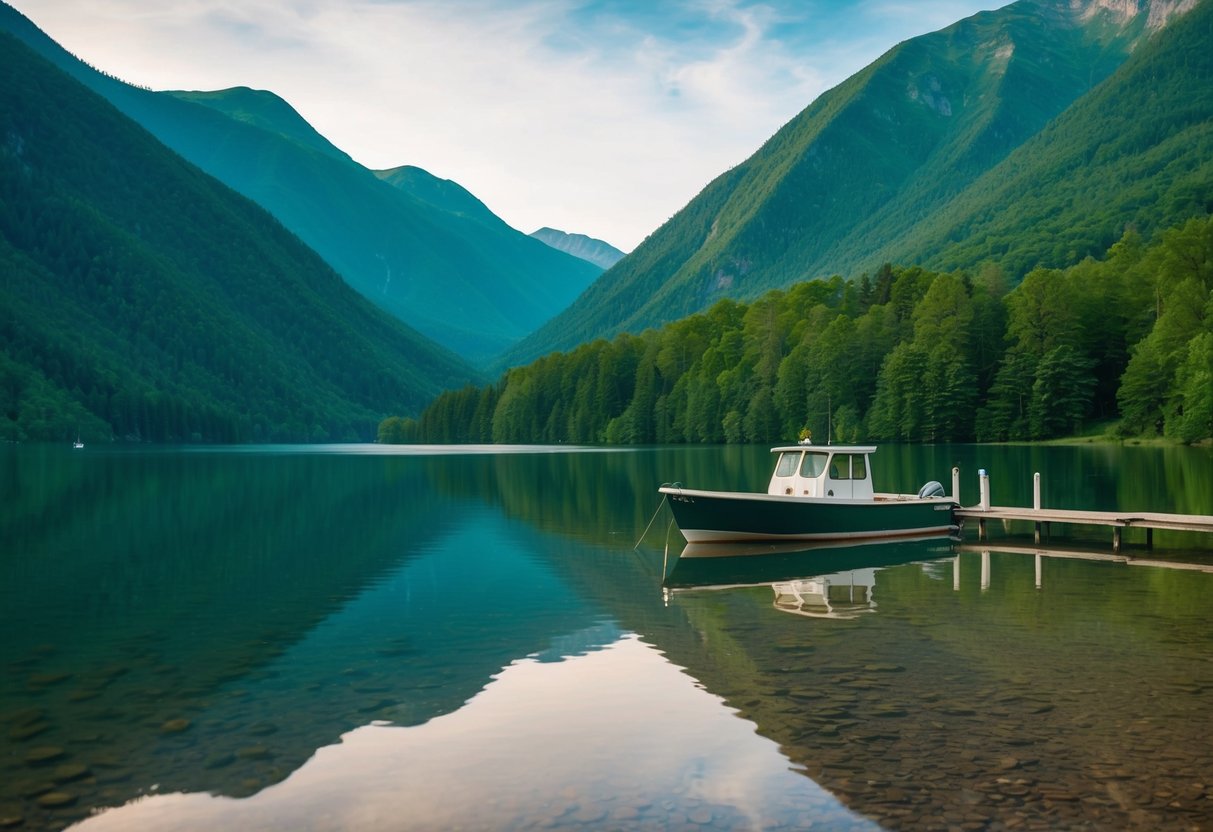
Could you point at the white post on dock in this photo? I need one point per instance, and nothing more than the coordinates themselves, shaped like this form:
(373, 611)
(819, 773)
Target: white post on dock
(956, 485)
(1036, 505)
(983, 488)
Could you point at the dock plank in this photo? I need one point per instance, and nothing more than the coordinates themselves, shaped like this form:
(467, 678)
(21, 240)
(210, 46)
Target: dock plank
(1122, 519)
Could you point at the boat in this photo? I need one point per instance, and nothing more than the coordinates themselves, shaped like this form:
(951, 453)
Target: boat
(817, 492)
(77, 444)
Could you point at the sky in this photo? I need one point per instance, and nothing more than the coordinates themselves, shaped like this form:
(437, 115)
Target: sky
(600, 117)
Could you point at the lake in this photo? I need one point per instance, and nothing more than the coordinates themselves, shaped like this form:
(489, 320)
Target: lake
(388, 638)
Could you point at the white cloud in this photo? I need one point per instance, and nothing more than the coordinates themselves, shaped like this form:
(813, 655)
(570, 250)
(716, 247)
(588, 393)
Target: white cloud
(590, 116)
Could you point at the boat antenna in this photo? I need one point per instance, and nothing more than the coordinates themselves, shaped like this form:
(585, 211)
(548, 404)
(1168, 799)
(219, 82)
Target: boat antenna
(829, 420)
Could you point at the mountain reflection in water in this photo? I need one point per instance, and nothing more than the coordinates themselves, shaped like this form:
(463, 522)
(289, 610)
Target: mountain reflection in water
(292, 639)
(530, 748)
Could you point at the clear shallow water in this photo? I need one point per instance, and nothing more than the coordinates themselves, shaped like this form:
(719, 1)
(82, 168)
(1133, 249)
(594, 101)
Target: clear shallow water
(343, 638)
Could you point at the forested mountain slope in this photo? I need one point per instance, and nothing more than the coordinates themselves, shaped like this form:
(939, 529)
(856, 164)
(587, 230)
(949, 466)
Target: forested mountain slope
(474, 287)
(142, 299)
(912, 356)
(1136, 152)
(865, 173)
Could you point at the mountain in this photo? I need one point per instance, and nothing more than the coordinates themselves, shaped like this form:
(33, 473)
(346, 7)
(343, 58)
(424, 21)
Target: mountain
(902, 162)
(1136, 152)
(579, 245)
(143, 299)
(263, 109)
(475, 286)
(443, 194)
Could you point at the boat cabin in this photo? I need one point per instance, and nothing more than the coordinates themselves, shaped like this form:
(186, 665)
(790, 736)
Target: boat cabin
(839, 471)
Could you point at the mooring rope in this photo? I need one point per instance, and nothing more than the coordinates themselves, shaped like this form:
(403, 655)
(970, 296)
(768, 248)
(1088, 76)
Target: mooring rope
(650, 525)
(665, 558)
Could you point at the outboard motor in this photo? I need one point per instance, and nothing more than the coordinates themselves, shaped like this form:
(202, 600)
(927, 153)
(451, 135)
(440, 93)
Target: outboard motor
(931, 489)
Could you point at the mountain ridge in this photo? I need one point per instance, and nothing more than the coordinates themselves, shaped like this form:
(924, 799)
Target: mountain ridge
(598, 252)
(866, 163)
(474, 287)
(147, 301)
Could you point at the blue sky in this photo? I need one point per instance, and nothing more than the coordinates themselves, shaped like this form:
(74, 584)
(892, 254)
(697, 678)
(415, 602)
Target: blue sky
(602, 117)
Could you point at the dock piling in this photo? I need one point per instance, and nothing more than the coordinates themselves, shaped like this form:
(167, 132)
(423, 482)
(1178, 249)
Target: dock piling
(1036, 501)
(983, 489)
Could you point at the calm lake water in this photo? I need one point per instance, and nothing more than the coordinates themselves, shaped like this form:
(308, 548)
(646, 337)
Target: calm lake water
(366, 638)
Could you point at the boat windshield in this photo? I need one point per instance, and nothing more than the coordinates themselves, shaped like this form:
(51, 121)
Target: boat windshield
(814, 463)
(786, 466)
(848, 467)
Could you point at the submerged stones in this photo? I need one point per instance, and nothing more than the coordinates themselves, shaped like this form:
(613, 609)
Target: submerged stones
(70, 771)
(20, 733)
(55, 800)
(44, 680)
(43, 754)
(175, 726)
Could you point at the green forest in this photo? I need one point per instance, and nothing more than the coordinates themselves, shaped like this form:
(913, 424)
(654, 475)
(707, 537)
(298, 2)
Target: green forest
(142, 300)
(1085, 131)
(904, 354)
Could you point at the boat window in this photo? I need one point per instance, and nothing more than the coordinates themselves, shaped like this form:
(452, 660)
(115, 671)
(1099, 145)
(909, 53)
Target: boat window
(840, 467)
(787, 464)
(848, 467)
(813, 465)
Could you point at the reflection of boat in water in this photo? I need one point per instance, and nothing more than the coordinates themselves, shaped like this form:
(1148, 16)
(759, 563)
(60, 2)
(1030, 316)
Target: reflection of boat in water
(834, 580)
(815, 493)
(843, 595)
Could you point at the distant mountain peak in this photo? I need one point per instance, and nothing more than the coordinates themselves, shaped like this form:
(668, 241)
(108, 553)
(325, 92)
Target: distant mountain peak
(265, 110)
(592, 249)
(1158, 12)
(444, 194)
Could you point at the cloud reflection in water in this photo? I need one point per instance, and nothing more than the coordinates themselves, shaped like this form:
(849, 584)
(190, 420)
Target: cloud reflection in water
(528, 751)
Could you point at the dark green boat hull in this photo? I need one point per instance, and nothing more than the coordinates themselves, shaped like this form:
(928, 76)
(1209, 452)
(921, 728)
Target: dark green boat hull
(721, 517)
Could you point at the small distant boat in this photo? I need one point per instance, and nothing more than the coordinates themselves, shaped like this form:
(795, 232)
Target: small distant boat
(817, 492)
(77, 444)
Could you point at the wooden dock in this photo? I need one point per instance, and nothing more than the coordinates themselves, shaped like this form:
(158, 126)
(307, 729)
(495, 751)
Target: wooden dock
(1117, 520)
(1044, 517)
